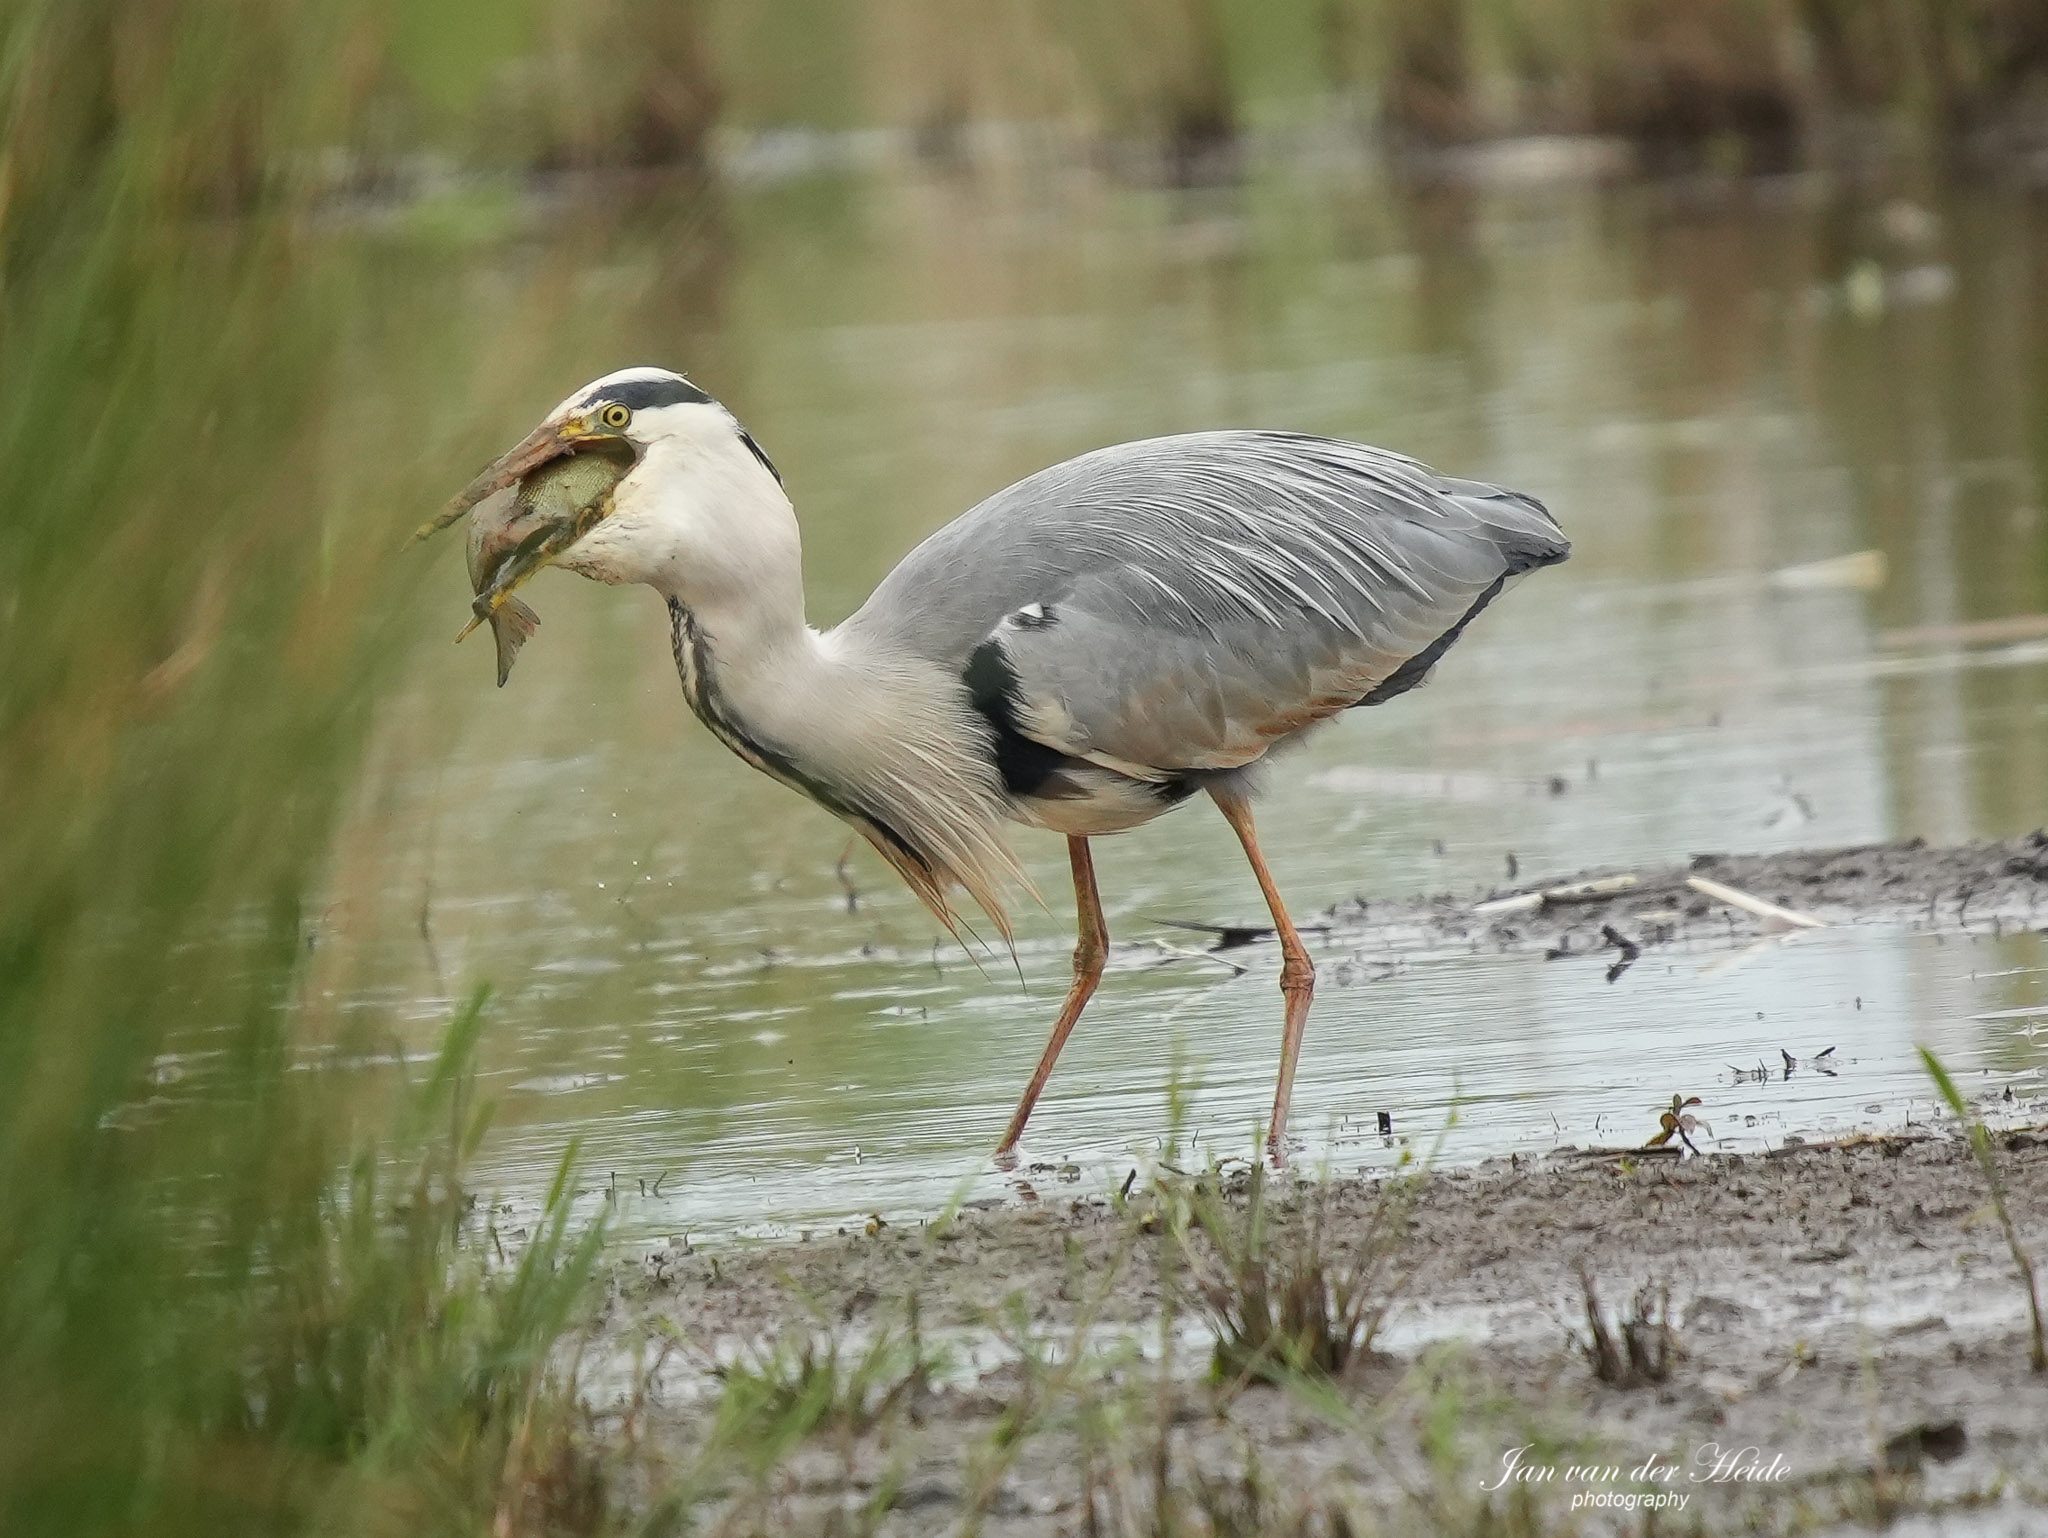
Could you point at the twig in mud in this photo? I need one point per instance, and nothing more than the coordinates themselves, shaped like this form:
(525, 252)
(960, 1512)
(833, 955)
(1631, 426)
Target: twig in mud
(1980, 1145)
(1630, 1155)
(1642, 1348)
(1596, 890)
(1231, 936)
(1621, 942)
(1769, 912)
(1227, 936)
(1182, 953)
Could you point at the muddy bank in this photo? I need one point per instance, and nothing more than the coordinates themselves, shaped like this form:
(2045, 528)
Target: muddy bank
(1850, 1311)
(1992, 886)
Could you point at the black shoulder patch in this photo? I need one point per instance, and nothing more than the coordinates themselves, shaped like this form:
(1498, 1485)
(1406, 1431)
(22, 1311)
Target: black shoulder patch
(1028, 767)
(644, 394)
(756, 450)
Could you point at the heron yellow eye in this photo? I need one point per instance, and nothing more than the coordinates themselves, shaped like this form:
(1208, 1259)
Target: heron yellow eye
(615, 416)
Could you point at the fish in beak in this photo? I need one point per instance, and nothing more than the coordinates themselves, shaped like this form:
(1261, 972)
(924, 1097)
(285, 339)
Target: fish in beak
(565, 472)
(550, 441)
(496, 530)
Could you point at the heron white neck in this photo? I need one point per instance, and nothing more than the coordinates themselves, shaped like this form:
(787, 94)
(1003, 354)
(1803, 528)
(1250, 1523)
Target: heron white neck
(714, 532)
(877, 734)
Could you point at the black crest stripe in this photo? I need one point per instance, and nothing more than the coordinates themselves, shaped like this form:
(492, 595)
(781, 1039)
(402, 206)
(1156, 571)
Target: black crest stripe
(644, 394)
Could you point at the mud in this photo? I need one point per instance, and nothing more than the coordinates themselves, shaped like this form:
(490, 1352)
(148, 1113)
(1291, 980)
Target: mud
(1849, 1311)
(1990, 885)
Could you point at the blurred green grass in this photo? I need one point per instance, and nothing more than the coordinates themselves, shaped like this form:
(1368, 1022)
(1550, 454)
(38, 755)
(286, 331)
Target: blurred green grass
(226, 1289)
(242, 100)
(233, 1296)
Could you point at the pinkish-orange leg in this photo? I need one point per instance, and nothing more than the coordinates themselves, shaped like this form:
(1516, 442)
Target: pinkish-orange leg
(1090, 950)
(1297, 972)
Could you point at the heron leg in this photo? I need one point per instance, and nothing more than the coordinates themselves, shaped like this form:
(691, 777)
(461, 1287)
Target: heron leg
(1297, 971)
(1090, 950)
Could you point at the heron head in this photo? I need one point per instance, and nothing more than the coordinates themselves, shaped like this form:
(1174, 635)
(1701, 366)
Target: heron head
(678, 438)
(633, 408)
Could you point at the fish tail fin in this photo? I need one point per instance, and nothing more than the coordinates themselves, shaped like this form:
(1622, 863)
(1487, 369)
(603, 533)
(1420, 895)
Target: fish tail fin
(512, 623)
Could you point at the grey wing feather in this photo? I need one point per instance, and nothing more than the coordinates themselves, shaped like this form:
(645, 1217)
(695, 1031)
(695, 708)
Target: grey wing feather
(1182, 603)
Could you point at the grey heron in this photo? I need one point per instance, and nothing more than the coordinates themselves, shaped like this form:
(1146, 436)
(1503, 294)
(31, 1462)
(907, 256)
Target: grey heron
(1081, 652)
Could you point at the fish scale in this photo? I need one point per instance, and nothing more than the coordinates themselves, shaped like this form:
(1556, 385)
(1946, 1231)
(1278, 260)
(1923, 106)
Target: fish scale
(549, 510)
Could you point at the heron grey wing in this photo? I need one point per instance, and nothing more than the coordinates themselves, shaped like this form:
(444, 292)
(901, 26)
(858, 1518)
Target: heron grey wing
(1183, 603)
(1099, 676)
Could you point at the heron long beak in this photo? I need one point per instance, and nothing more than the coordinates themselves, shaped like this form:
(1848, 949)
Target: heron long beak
(552, 439)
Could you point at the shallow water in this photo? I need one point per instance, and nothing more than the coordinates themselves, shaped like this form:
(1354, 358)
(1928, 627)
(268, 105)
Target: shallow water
(1706, 390)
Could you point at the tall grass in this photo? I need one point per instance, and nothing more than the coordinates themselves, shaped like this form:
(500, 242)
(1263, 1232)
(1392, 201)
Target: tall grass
(239, 99)
(1757, 81)
(226, 105)
(233, 1295)
(1980, 1149)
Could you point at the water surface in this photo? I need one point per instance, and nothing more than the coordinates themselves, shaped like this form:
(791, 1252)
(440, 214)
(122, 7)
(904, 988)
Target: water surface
(1707, 390)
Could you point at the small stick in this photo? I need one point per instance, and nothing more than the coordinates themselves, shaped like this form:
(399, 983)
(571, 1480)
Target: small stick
(1980, 1145)
(1575, 892)
(1182, 953)
(1521, 902)
(1770, 913)
(1230, 936)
